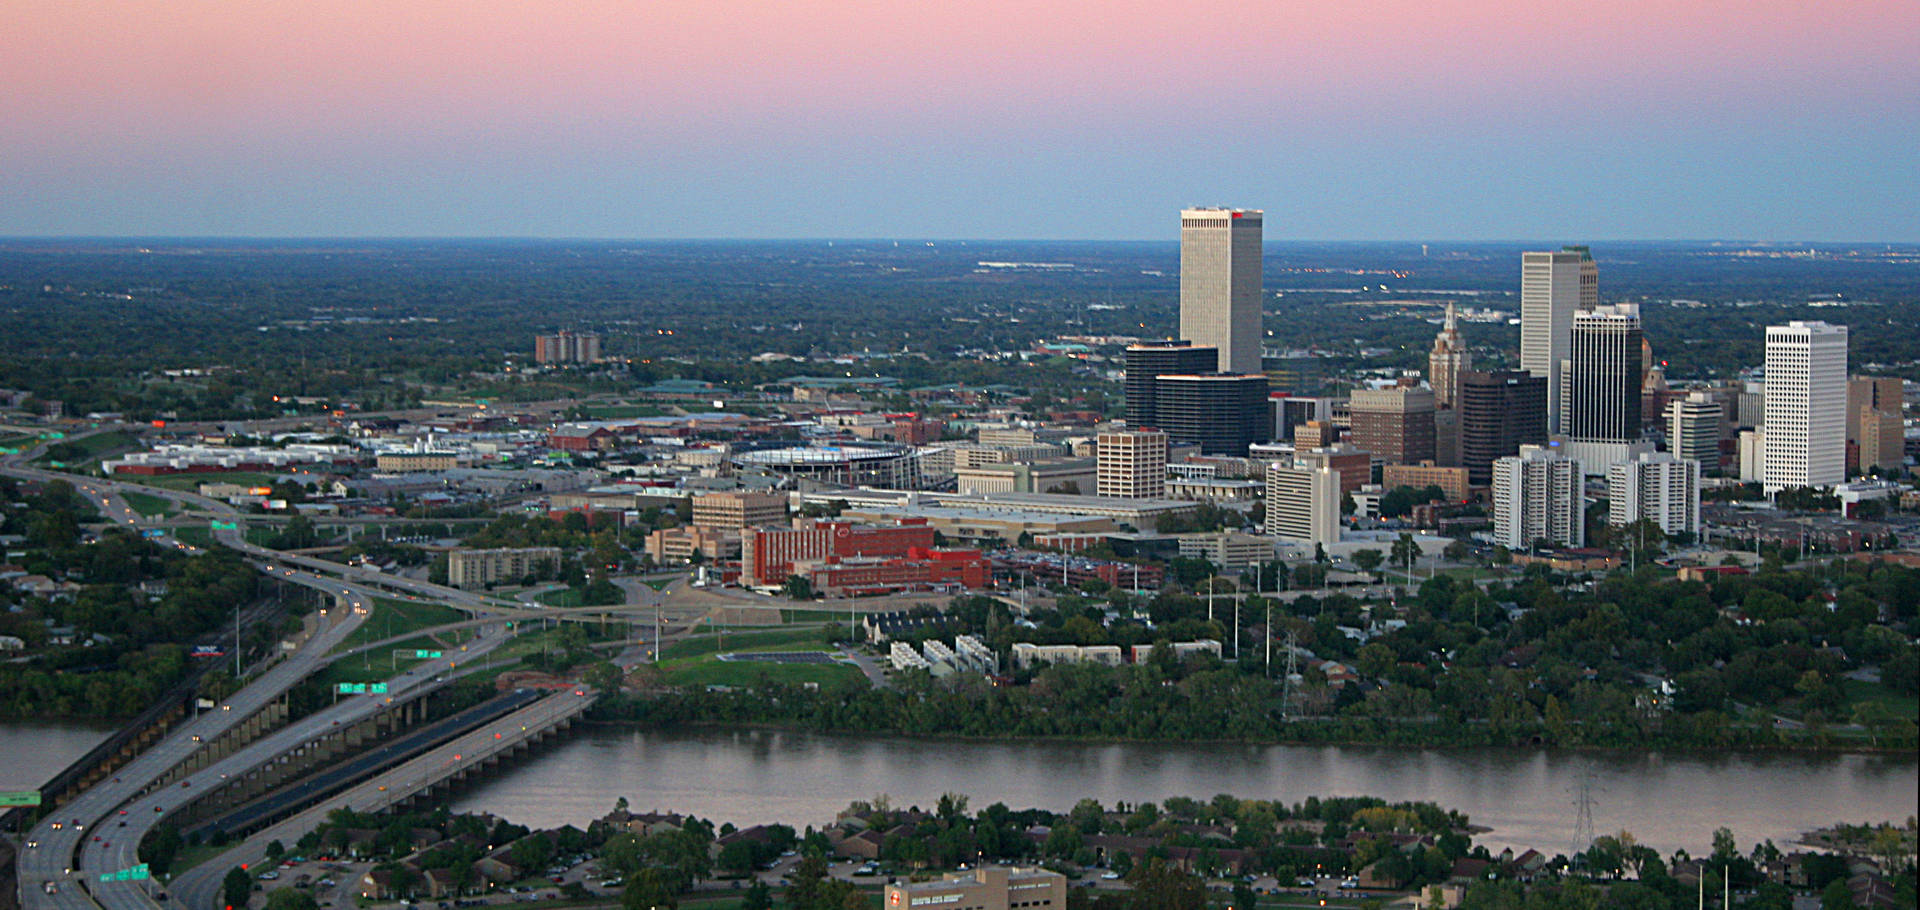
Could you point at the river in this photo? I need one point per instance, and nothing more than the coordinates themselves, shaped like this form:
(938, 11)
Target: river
(32, 752)
(1529, 797)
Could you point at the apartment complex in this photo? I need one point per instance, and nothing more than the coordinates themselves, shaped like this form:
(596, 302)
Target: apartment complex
(567, 347)
(738, 510)
(1537, 495)
(1658, 486)
(1303, 504)
(479, 568)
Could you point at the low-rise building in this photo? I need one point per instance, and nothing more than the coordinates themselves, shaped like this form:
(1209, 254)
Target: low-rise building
(479, 568)
(982, 888)
(738, 510)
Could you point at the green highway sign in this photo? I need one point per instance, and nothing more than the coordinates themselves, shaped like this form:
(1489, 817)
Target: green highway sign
(53, 434)
(219, 525)
(12, 798)
(426, 655)
(138, 873)
(378, 688)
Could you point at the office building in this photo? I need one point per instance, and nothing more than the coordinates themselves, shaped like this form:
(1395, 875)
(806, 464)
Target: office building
(1448, 359)
(566, 347)
(1453, 482)
(1149, 360)
(480, 568)
(768, 555)
(1553, 285)
(738, 509)
(1499, 413)
(1600, 382)
(1354, 465)
(1045, 475)
(1806, 405)
(1223, 413)
(1395, 424)
(1292, 411)
(1693, 428)
(1659, 486)
(1875, 422)
(1537, 495)
(1314, 434)
(1303, 504)
(1132, 464)
(1220, 284)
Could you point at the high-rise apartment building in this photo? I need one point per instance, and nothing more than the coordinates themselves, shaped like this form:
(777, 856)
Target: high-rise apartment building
(1303, 504)
(1499, 413)
(1395, 424)
(1552, 286)
(1220, 284)
(1806, 405)
(1132, 464)
(1149, 360)
(1659, 486)
(1223, 413)
(1537, 496)
(1448, 359)
(1600, 382)
(566, 347)
(1693, 428)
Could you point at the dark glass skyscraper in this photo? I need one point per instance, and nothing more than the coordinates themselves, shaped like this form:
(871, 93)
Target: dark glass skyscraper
(1499, 412)
(1150, 359)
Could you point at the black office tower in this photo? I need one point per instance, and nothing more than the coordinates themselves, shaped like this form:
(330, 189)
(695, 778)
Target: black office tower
(1499, 412)
(1149, 360)
(1223, 412)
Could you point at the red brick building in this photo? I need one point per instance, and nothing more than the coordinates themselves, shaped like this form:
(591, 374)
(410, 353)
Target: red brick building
(767, 555)
(920, 570)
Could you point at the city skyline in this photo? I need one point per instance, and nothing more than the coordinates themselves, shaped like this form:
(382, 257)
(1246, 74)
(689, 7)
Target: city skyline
(1373, 121)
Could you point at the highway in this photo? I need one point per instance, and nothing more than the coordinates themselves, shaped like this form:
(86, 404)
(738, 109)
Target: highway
(116, 847)
(199, 888)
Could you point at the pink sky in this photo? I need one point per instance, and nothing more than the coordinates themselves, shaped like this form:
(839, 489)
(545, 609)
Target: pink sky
(300, 79)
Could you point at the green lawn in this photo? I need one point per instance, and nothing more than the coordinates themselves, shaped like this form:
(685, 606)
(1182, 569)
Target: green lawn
(802, 639)
(195, 535)
(149, 504)
(190, 483)
(78, 451)
(621, 411)
(398, 617)
(711, 672)
(1896, 704)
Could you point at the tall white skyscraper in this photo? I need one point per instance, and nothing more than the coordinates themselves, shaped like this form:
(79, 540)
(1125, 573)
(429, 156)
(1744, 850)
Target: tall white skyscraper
(1806, 406)
(1220, 284)
(1552, 286)
(1537, 495)
(1658, 486)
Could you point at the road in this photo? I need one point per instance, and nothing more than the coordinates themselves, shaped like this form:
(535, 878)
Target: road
(199, 887)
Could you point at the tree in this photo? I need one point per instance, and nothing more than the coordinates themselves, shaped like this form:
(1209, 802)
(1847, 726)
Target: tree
(758, 897)
(1368, 560)
(799, 588)
(1164, 887)
(648, 890)
(1405, 551)
(238, 886)
(291, 899)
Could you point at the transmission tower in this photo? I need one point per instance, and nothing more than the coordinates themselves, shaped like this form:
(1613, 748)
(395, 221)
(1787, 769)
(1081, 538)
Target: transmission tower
(1583, 817)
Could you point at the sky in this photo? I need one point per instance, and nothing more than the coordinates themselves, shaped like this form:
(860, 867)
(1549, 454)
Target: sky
(1343, 119)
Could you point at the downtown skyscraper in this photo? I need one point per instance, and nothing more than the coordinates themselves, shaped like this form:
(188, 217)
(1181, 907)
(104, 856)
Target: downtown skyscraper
(1552, 286)
(1806, 406)
(1220, 284)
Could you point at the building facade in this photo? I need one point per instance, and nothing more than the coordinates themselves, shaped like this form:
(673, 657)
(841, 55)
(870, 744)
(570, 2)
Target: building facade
(1537, 495)
(1303, 504)
(1220, 259)
(1553, 285)
(1694, 428)
(1600, 382)
(1132, 464)
(479, 568)
(768, 555)
(1659, 486)
(737, 510)
(567, 347)
(1875, 421)
(1499, 413)
(1448, 359)
(1146, 362)
(1222, 413)
(1395, 424)
(1452, 481)
(1806, 404)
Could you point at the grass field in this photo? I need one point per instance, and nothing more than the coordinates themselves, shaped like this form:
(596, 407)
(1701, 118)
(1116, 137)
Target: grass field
(801, 639)
(622, 411)
(398, 617)
(78, 452)
(1896, 705)
(190, 483)
(149, 504)
(196, 535)
(707, 671)
(374, 666)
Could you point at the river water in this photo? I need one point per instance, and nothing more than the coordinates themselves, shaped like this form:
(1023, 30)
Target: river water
(1529, 797)
(32, 752)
